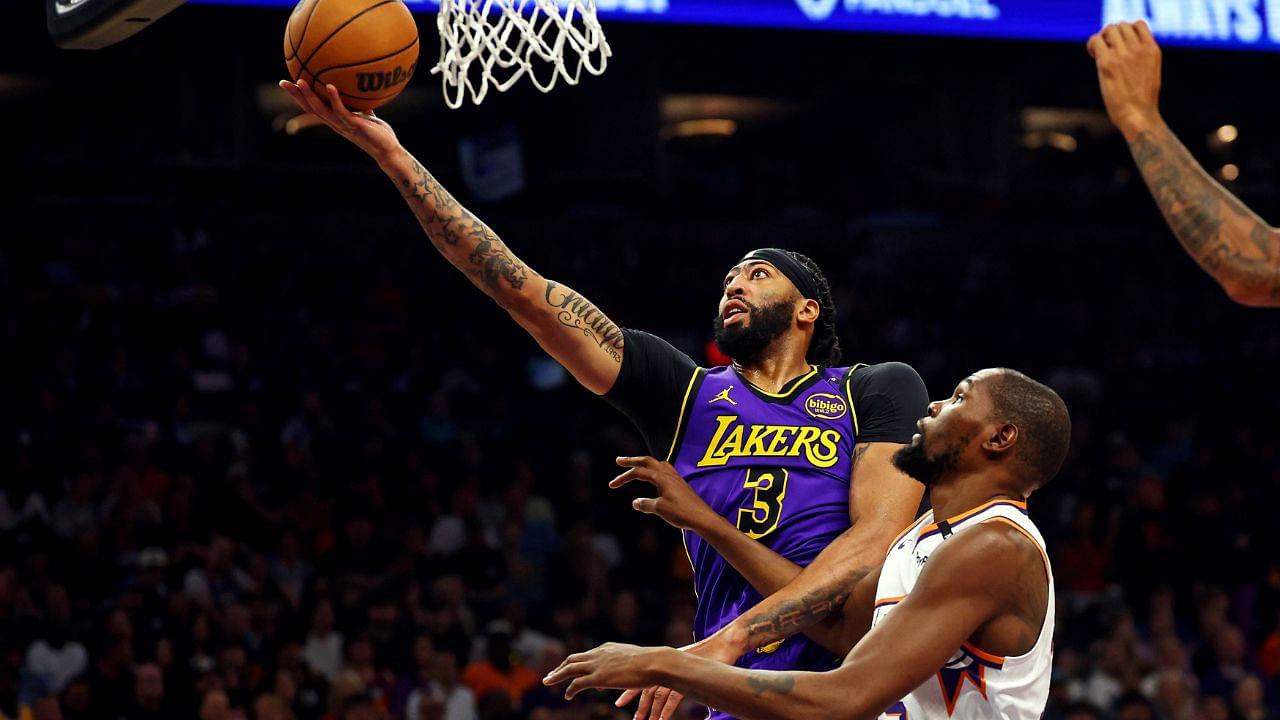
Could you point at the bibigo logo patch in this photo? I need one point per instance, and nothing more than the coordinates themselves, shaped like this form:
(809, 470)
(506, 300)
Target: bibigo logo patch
(825, 406)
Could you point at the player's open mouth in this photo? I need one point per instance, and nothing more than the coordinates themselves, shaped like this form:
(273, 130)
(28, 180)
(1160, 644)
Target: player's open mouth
(918, 438)
(734, 310)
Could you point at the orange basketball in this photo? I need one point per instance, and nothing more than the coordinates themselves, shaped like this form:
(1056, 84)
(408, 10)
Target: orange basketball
(368, 49)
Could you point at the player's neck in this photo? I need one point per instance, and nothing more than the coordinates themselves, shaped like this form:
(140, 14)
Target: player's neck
(773, 371)
(963, 493)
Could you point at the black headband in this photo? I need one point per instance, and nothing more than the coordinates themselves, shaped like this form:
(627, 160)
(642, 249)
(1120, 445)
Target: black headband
(798, 274)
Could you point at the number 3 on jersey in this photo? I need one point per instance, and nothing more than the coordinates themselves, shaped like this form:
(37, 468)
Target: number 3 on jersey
(770, 486)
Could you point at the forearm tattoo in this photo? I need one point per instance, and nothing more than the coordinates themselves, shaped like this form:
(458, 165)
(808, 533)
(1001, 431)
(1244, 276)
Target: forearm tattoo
(463, 239)
(577, 312)
(472, 247)
(762, 682)
(794, 616)
(1227, 239)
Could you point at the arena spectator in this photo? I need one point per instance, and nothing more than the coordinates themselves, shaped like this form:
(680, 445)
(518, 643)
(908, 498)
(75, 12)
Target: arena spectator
(271, 707)
(499, 672)
(323, 649)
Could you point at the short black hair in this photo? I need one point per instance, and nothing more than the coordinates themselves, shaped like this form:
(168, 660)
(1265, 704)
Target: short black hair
(1042, 419)
(824, 348)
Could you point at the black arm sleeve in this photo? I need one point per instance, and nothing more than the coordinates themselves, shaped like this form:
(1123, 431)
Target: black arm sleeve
(650, 387)
(889, 398)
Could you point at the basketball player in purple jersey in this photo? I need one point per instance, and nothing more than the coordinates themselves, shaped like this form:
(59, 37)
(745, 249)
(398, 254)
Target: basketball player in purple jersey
(763, 477)
(788, 458)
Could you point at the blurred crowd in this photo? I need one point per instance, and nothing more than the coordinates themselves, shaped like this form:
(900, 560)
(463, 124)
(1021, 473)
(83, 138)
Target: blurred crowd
(261, 470)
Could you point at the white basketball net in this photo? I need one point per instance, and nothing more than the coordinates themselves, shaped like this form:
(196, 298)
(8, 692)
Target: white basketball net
(493, 43)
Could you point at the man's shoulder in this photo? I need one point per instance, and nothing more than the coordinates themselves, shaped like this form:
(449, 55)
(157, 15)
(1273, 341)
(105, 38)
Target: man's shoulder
(992, 551)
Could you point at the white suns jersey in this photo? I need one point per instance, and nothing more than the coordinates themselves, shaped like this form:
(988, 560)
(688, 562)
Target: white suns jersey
(974, 684)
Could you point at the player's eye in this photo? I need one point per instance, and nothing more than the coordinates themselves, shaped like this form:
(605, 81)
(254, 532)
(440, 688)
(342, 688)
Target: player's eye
(759, 272)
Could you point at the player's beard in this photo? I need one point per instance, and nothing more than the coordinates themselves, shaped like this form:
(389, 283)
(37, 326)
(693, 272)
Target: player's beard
(913, 460)
(747, 342)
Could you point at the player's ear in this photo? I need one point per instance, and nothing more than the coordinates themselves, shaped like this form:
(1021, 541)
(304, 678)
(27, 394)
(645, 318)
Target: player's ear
(809, 310)
(1002, 439)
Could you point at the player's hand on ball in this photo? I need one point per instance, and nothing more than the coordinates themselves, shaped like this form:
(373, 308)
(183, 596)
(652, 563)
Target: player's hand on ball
(612, 665)
(369, 132)
(676, 502)
(1128, 61)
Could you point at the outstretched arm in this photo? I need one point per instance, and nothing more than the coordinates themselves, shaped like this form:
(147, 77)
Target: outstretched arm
(567, 325)
(1224, 236)
(969, 581)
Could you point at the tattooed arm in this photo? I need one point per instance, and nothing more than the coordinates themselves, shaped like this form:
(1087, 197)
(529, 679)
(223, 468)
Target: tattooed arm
(987, 586)
(1220, 233)
(565, 324)
(1224, 236)
(797, 600)
(882, 502)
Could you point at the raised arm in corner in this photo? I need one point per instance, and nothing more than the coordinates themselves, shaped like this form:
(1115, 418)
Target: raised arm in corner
(1227, 239)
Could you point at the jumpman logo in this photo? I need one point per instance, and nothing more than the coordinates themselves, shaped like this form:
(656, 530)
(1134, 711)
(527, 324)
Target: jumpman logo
(724, 395)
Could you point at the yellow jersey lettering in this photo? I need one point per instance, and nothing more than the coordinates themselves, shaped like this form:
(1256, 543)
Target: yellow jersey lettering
(771, 647)
(778, 447)
(825, 455)
(807, 436)
(755, 441)
(713, 455)
(732, 439)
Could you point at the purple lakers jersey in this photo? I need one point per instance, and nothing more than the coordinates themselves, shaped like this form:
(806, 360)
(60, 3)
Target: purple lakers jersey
(777, 465)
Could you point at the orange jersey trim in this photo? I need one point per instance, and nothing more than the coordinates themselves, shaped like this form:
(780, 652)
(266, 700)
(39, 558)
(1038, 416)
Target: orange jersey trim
(904, 533)
(1043, 555)
(997, 660)
(1021, 505)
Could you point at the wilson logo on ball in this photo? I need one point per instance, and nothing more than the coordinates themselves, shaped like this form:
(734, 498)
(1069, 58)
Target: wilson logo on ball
(373, 82)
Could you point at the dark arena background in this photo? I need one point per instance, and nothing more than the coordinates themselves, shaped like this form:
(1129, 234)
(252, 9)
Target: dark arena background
(266, 455)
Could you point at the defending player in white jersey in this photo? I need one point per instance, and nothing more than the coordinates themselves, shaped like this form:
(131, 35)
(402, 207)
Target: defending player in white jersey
(956, 622)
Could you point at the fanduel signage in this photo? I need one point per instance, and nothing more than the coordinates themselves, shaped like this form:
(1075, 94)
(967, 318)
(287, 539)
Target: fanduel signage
(1242, 24)
(822, 10)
